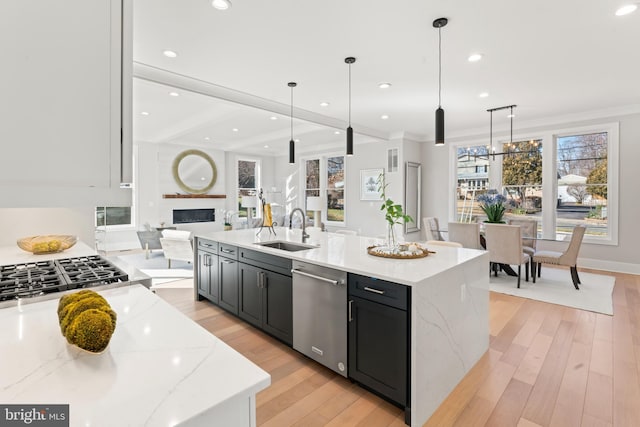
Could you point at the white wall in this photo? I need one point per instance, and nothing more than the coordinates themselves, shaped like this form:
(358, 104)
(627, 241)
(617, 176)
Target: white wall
(363, 216)
(623, 257)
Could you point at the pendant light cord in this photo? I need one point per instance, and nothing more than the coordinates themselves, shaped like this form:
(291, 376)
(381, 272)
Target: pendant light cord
(292, 113)
(349, 94)
(439, 66)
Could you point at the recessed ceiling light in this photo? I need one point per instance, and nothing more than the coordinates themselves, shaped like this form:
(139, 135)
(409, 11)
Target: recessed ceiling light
(510, 116)
(235, 129)
(174, 94)
(384, 117)
(145, 113)
(297, 140)
(384, 85)
(337, 132)
(206, 138)
(626, 9)
(221, 4)
(324, 104)
(475, 57)
(266, 146)
(483, 94)
(273, 118)
(169, 54)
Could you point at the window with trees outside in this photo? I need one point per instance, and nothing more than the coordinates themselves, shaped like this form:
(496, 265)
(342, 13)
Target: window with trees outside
(582, 183)
(248, 185)
(575, 185)
(113, 215)
(325, 176)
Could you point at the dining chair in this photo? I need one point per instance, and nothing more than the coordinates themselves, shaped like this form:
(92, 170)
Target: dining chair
(431, 228)
(504, 243)
(567, 258)
(176, 245)
(529, 229)
(443, 243)
(467, 234)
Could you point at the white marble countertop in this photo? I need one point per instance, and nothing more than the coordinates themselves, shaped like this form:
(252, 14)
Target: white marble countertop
(159, 369)
(349, 253)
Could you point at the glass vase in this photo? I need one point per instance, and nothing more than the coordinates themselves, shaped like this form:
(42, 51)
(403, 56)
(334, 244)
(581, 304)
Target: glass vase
(392, 244)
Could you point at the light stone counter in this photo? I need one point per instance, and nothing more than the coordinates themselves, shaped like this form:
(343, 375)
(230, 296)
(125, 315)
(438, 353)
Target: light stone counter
(449, 302)
(160, 368)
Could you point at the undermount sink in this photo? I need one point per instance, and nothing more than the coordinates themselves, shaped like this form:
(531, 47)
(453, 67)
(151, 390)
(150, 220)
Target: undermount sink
(286, 246)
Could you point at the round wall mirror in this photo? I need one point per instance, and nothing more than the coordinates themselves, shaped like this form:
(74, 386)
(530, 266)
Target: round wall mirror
(194, 171)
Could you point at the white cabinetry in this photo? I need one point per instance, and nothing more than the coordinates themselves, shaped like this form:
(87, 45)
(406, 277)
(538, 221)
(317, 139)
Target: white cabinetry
(65, 103)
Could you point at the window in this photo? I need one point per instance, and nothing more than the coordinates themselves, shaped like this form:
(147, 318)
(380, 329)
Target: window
(248, 187)
(325, 176)
(522, 178)
(106, 216)
(312, 183)
(472, 174)
(582, 183)
(571, 182)
(335, 189)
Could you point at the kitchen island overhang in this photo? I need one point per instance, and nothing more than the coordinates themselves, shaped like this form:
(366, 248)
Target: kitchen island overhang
(449, 330)
(160, 367)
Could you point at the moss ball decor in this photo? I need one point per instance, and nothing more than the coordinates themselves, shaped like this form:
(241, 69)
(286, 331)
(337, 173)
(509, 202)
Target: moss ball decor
(86, 320)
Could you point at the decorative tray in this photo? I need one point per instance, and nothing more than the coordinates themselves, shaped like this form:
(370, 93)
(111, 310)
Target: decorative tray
(402, 253)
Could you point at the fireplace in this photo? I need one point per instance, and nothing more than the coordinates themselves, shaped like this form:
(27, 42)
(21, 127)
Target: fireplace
(186, 216)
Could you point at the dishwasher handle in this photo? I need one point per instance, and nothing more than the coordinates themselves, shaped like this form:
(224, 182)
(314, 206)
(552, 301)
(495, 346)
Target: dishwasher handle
(313, 276)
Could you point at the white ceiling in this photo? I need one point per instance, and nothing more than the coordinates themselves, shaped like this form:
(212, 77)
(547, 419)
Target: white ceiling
(549, 57)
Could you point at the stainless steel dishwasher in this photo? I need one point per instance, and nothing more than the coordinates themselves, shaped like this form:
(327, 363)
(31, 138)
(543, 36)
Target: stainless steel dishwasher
(320, 314)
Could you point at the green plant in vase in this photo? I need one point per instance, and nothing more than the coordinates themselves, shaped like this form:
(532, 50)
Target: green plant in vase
(393, 213)
(493, 206)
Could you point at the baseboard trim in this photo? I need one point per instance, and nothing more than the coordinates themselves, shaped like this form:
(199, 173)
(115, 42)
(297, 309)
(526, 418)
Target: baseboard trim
(613, 266)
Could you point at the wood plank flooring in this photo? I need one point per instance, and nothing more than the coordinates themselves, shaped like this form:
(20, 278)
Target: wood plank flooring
(547, 365)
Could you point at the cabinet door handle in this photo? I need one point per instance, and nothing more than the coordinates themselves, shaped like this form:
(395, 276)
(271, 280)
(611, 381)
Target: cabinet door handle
(265, 280)
(259, 276)
(350, 310)
(227, 251)
(207, 258)
(227, 261)
(375, 291)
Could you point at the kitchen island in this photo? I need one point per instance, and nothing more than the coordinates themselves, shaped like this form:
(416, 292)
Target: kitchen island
(447, 297)
(160, 368)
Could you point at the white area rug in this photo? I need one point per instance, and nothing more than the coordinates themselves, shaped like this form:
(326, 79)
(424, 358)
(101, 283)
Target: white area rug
(555, 286)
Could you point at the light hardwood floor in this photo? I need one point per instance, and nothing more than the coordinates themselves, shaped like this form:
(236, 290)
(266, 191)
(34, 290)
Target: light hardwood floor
(547, 365)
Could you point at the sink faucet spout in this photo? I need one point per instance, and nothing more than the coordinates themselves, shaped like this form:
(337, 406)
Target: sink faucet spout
(304, 228)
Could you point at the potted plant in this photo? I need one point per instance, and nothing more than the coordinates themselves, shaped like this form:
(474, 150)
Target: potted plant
(227, 220)
(493, 206)
(393, 214)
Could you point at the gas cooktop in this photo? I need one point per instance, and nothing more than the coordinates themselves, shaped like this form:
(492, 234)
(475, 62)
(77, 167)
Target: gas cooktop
(33, 279)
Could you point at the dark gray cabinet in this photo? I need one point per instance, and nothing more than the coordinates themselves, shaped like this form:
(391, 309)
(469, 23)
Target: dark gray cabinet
(207, 270)
(265, 297)
(228, 278)
(378, 336)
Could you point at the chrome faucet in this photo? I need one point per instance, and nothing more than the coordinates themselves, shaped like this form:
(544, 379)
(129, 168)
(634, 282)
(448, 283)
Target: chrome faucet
(304, 225)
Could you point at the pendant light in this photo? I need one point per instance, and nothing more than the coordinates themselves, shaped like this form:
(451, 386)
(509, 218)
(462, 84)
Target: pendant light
(292, 148)
(349, 60)
(492, 149)
(439, 23)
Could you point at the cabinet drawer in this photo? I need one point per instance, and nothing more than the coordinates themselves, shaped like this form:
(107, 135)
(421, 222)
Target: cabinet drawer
(228, 251)
(372, 289)
(266, 261)
(208, 245)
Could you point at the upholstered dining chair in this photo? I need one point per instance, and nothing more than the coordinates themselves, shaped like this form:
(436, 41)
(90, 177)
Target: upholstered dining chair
(176, 245)
(567, 258)
(467, 234)
(431, 228)
(443, 243)
(529, 229)
(504, 243)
